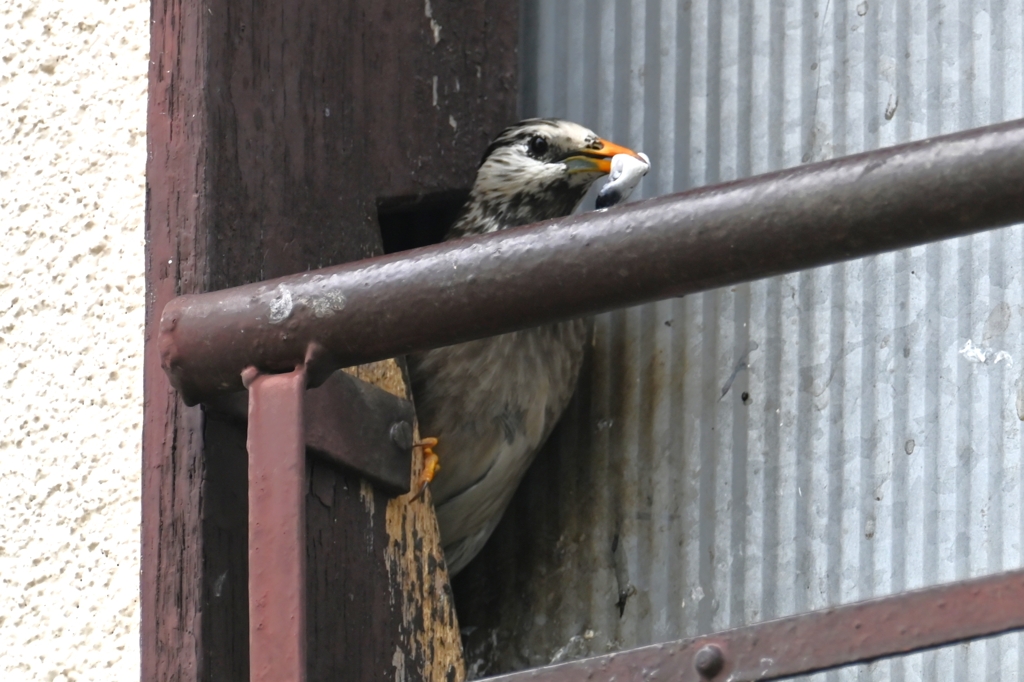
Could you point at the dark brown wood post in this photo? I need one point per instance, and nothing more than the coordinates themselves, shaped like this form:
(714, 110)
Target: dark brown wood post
(274, 128)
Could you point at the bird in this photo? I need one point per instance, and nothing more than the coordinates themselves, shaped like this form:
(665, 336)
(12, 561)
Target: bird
(491, 403)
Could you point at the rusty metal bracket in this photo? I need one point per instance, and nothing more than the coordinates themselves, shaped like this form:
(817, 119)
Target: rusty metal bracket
(815, 641)
(277, 528)
(345, 421)
(350, 423)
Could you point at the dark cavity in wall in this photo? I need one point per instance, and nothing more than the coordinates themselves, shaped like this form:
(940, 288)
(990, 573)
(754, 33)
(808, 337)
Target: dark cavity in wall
(411, 222)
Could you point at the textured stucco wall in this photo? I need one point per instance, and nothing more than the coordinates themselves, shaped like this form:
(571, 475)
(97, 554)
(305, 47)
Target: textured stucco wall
(72, 159)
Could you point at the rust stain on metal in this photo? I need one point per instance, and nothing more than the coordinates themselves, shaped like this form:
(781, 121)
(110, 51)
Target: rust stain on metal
(816, 641)
(277, 528)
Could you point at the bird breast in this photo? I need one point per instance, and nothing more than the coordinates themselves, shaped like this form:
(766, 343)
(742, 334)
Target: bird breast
(492, 403)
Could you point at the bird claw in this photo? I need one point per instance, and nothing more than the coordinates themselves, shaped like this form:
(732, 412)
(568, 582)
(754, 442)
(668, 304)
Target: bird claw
(430, 465)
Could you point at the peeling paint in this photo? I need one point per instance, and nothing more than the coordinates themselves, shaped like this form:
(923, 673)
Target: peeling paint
(398, 661)
(366, 495)
(984, 355)
(326, 304)
(435, 28)
(281, 306)
(414, 549)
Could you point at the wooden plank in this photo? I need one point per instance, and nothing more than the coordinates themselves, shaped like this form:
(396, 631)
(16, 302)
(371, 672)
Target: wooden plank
(274, 129)
(172, 539)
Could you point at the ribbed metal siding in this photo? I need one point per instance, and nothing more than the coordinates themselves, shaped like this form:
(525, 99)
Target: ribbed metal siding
(798, 442)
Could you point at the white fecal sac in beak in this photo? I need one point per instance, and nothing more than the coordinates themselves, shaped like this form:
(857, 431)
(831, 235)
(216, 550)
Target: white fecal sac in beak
(622, 180)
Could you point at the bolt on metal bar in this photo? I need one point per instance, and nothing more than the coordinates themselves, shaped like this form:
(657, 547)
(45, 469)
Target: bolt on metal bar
(766, 225)
(277, 528)
(816, 641)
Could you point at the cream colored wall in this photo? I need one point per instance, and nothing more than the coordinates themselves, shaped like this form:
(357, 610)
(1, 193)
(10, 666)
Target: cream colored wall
(72, 161)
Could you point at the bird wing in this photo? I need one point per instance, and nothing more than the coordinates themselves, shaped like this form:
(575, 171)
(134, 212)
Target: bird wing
(491, 403)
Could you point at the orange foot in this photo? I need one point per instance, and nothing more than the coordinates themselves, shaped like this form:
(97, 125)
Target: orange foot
(430, 465)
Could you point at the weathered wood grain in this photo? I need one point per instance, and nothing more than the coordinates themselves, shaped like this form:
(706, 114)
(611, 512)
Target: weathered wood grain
(274, 130)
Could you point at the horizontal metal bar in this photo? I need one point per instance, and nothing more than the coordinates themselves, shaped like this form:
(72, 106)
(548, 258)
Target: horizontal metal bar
(815, 641)
(351, 423)
(669, 246)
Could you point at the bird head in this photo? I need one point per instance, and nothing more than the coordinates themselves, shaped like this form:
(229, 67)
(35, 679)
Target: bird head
(535, 170)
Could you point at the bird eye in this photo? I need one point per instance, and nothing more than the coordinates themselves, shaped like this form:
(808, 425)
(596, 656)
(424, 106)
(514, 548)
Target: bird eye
(538, 146)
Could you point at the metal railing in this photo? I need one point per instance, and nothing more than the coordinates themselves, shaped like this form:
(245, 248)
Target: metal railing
(816, 641)
(308, 325)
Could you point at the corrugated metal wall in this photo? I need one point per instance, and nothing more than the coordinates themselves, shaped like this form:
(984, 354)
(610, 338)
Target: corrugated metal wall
(797, 442)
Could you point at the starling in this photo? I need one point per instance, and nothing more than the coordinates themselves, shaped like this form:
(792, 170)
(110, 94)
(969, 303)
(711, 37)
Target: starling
(491, 403)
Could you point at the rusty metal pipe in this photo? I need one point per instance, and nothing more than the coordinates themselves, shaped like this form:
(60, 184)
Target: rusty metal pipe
(815, 641)
(669, 246)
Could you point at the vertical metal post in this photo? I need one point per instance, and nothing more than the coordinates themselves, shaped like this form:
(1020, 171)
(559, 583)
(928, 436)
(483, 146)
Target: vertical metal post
(277, 528)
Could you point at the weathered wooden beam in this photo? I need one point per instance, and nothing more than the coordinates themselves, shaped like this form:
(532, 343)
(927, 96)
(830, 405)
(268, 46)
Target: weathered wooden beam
(274, 130)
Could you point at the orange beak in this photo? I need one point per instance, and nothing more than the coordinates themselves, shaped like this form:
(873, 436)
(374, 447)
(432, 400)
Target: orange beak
(596, 160)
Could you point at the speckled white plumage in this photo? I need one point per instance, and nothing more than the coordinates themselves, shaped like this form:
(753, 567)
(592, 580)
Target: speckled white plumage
(493, 402)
